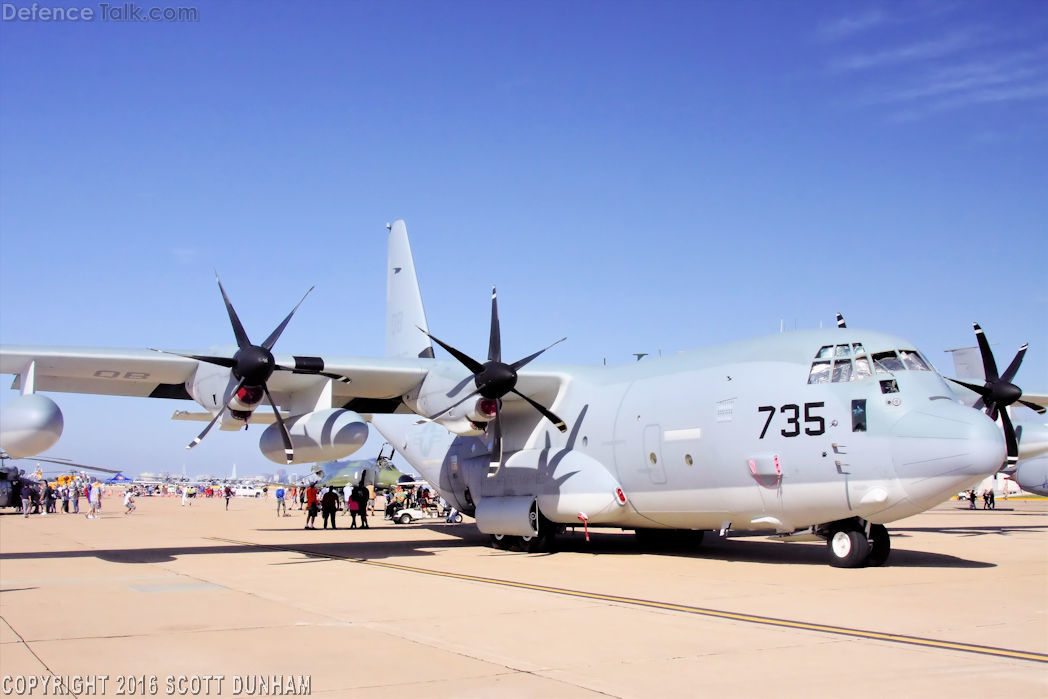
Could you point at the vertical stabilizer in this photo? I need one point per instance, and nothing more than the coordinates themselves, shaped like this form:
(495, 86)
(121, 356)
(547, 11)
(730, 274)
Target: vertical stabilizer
(404, 312)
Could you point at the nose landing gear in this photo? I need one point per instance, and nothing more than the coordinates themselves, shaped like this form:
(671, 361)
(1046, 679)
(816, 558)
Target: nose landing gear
(854, 543)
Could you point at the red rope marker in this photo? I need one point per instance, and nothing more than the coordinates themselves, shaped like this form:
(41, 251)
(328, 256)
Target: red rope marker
(585, 526)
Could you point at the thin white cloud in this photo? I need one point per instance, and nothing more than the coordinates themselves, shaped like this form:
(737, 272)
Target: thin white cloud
(845, 27)
(900, 55)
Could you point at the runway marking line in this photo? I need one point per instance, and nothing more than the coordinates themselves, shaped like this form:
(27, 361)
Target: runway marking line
(669, 606)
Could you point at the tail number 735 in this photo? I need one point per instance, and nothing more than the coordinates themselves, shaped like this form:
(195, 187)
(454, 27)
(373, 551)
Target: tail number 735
(813, 424)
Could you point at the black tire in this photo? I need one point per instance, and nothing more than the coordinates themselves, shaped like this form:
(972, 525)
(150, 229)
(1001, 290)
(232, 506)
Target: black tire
(848, 548)
(505, 542)
(404, 518)
(543, 543)
(457, 519)
(880, 545)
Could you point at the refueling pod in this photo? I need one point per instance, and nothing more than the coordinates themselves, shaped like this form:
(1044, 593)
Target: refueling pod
(30, 424)
(323, 435)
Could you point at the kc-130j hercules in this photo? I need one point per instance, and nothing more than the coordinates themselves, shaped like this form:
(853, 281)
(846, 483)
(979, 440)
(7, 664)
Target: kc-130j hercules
(821, 434)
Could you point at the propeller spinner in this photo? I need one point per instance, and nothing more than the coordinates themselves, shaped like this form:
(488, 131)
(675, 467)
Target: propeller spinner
(998, 392)
(494, 378)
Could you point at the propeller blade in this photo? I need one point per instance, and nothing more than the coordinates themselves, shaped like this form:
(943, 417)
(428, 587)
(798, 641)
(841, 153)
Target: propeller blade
(238, 328)
(215, 419)
(496, 443)
(1039, 409)
(289, 450)
(455, 404)
(227, 362)
(275, 335)
(981, 390)
(1009, 438)
(989, 363)
(312, 372)
(1013, 368)
(495, 339)
(557, 422)
(520, 364)
(466, 360)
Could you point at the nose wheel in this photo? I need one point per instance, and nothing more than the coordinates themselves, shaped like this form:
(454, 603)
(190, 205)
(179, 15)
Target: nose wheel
(855, 543)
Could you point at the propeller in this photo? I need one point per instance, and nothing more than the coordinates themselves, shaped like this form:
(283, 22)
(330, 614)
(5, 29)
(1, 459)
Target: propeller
(998, 392)
(494, 378)
(253, 365)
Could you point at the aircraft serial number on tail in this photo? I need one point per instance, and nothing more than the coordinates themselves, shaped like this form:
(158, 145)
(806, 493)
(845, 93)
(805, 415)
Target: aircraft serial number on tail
(792, 411)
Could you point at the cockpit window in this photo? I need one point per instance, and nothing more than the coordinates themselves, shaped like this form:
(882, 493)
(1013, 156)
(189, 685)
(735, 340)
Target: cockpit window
(912, 360)
(849, 362)
(820, 372)
(887, 362)
(842, 370)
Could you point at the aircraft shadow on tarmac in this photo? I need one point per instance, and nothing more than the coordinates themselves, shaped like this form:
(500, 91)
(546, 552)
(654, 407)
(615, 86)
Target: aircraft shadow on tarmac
(739, 550)
(974, 531)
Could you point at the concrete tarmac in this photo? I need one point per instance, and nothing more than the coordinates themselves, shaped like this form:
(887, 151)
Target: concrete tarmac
(166, 600)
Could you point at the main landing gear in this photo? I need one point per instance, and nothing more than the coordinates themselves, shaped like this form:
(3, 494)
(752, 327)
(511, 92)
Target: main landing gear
(854, 543)
(543, 542)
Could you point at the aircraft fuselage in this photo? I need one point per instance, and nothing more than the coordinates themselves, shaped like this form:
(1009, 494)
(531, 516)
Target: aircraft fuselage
(765, 435)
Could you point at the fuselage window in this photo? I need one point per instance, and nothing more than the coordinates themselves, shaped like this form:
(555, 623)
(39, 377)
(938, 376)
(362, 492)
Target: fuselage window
(825, 352)
(887, 362)
(862, 369)
(820, 372)
(841, 351)
(912, 360)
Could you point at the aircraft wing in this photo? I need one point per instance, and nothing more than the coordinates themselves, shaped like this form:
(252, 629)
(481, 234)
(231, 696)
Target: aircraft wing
(373, 382)
(114, 372)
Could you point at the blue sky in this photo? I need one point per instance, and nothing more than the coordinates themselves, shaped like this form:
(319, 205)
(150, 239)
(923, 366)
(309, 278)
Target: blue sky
(639, 177)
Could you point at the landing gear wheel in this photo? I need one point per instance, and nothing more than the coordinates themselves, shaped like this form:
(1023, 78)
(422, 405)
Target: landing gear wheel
(848, 548)
(543, 543)
(505, 542)
(880, 545)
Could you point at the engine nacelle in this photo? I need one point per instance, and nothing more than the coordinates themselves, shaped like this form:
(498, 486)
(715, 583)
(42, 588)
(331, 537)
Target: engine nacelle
(29, 425)
(1032, 475)
(323, 435)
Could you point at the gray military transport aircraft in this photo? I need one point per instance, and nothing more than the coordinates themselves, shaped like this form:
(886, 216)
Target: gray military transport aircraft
(820, 434)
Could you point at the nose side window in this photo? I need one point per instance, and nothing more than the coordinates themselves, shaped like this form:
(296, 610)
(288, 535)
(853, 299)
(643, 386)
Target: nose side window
(858, 409)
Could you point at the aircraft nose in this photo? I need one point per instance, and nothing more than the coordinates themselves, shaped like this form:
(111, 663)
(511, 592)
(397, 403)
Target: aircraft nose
(947, 439)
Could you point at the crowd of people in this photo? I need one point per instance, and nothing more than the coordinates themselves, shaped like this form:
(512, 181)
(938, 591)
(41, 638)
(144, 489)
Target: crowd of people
(61, 498)
(357, 501)
(988, 498)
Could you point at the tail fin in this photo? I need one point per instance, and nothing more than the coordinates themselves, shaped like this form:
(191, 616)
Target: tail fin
(404, 312)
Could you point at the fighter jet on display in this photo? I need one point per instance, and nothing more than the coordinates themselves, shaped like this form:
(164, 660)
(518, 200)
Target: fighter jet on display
(379, 473)
(819, 434)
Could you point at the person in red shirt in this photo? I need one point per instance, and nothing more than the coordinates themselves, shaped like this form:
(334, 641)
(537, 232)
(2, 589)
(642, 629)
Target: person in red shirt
(311, 507)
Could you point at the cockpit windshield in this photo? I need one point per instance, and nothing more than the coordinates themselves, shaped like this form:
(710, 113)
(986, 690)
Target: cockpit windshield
(850, 362)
